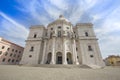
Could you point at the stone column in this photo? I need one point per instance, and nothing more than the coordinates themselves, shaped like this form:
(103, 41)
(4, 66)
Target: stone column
(53, 52)
(44, 52)
(64, 51)
(75, 53)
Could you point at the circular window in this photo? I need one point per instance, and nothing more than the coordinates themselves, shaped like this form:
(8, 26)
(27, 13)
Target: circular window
(30, 56)
(91, 56)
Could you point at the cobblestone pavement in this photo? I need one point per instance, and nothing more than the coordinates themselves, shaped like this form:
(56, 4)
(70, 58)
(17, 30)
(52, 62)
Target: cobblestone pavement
(11, 72)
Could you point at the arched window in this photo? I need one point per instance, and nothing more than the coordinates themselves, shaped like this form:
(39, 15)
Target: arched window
(32, 48)
(35, 35)
(59, 33)
(86, 33)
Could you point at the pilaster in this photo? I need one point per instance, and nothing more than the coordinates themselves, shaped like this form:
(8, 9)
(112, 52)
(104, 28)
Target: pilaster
(64, 51)
(44, 52)
(75, 60)
(53, 52)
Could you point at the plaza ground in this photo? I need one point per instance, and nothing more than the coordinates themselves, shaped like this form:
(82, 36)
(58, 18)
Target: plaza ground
(14, 72)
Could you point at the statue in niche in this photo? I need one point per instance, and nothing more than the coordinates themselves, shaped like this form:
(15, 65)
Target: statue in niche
(68, 45)
(58, 45)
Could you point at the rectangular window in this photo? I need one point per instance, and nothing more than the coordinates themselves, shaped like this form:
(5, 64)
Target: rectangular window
(0, 52)
(46, 34)
(90, 48)
(8, 49)
(59, 33)
(3, 60)
(18, 56)
(12, 50)
(14, 55)
(17, 61)
(16, 51)
(51, 28)
(86, 33)
(3, 47)
(13, 60)
(9, 60)
(35, 35)
(19, 51)
(11, 54)
(32, 48)
(76, 49)
(67, 27)
(6, 53)
(59, 27)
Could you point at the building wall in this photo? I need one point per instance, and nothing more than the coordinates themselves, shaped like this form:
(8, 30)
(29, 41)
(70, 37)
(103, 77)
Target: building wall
(79, 41)
(112, 60)
(11, 53)
(33, 48)
(87, 45)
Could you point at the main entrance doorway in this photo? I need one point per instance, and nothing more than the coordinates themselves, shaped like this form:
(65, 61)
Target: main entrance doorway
(59, 58)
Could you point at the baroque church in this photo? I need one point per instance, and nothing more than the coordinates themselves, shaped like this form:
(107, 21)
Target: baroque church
(62, 43)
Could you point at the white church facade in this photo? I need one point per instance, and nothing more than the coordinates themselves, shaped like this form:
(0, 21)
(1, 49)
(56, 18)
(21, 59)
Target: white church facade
(62, 43)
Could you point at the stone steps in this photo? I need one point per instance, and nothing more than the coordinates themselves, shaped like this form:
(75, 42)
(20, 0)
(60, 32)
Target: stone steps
(57, 66)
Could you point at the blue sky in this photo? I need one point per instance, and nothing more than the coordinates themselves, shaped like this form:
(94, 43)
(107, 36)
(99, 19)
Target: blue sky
(16, 16)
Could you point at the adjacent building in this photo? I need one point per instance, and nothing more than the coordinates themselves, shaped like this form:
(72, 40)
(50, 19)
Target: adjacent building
(112, 60)
(62, 43)
(10, 53)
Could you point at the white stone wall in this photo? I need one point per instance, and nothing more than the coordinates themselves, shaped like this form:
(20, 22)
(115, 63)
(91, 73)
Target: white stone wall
(85, 41)
(35, 56)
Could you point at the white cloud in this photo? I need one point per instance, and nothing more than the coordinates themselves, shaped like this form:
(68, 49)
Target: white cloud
(33, 10)
(13, 29)
(109, 32)
(43, 11)
(61, 4)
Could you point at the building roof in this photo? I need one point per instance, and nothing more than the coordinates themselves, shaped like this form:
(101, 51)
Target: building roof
(61, 19)
(4, 40)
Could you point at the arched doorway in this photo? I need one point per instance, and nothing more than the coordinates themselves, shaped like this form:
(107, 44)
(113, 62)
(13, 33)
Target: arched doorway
(59, 58)
(49, 58)
(69, 58)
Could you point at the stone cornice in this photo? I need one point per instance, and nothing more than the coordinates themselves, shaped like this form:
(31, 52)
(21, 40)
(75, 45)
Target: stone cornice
(87, 38)
(59, 22)
(37, 26)
(84, 24)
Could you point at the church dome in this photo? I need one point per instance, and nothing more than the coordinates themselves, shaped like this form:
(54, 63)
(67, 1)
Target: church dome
(60, 20)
